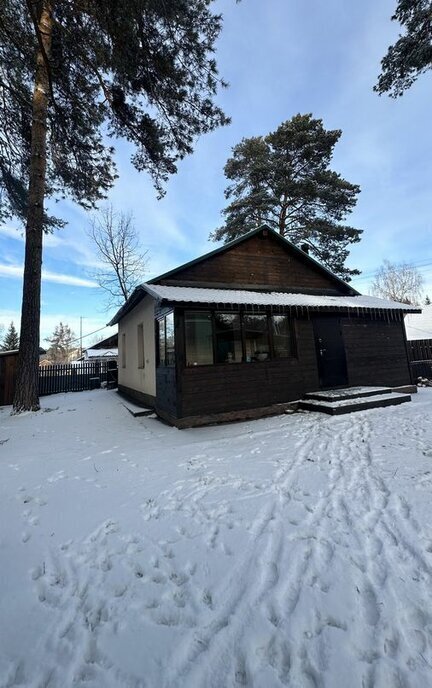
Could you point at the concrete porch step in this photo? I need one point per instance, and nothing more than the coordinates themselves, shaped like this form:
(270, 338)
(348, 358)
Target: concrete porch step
(136, 410)
(359, 403)
(347, 393)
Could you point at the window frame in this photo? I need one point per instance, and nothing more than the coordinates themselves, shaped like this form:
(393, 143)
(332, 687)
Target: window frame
(159, 319)
(241, 311)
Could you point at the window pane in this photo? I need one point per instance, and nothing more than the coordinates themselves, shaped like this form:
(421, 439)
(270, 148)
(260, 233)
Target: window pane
(281, 336)
(228, 338)
(162, 342)
(199, 338)
(256, 337)
(169, 334)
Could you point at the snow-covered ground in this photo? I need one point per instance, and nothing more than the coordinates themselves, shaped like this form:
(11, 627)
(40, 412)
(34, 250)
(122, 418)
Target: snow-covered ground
(291, 551)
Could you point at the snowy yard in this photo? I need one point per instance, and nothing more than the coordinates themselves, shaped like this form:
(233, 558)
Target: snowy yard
(291, 551)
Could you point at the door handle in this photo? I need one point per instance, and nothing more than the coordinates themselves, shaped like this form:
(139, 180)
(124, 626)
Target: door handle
(322, 351)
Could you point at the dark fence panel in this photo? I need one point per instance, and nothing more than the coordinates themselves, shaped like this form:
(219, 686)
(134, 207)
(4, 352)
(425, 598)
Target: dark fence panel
(77, 378)
(420, 349)
(420, 353)
(421, 369)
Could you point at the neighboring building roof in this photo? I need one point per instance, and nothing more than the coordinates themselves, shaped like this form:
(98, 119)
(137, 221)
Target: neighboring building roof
(419, 326)
(107, 343)
(16, 351)
(273, 298)
(101, 353)
(11, 352)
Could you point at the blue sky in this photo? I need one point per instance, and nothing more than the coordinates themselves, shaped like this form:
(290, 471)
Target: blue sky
(280, 57)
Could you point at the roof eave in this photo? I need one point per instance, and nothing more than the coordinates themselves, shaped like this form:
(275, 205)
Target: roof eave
(136, 296)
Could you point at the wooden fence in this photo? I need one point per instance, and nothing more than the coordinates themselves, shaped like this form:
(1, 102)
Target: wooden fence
(58, 378)
(420, 349)
(420, 353)
(70, 377)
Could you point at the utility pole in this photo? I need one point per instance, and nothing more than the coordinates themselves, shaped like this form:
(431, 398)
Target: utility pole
(81, 319)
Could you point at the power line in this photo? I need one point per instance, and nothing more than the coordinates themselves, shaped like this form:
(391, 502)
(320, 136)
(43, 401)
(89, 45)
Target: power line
(89, 334)
(418, 265)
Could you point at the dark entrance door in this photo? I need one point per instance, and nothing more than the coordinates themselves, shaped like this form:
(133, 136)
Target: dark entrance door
(330, 350)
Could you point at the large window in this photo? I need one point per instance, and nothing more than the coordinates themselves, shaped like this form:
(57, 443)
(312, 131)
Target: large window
(217, 337)
(169, 336)
(228, 340)
(199, 338)
(166, 340)
(161, 324)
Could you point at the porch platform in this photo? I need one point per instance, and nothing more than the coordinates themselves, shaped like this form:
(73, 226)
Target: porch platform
(339, 401)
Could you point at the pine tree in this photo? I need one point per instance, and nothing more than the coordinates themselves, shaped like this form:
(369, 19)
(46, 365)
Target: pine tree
(11, 339)
(411, 55)
(73, 74)
(61, 344)
(284, 180)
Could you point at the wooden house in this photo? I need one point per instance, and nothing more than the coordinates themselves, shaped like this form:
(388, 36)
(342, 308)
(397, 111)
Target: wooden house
(252, 325)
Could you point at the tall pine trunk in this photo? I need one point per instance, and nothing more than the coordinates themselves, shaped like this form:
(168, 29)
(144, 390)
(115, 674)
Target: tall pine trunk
(27, 383)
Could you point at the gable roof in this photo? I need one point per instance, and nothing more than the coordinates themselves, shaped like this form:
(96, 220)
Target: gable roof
(140, 291)
(298, 252)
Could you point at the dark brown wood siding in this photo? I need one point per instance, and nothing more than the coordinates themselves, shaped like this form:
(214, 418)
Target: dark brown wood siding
(166, 391)
(222, 388)
(260, 262)
(376, 352)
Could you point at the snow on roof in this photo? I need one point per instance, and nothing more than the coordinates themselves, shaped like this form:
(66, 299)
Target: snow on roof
(419, 325)
(101, 353)
(272, 298)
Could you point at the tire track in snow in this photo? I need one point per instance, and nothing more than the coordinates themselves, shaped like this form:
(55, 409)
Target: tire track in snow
(404, 635)
(213, 663)
(386, 552)
(303, 661)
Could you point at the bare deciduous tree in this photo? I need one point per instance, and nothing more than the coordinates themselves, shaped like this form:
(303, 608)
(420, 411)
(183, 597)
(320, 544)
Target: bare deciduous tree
(399, 282)
(124, 262)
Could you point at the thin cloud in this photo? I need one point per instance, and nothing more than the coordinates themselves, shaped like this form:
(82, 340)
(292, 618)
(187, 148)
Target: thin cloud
(16, 271)
(18, 234)
(66, 245)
